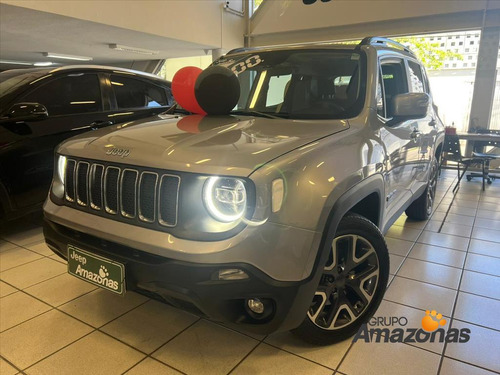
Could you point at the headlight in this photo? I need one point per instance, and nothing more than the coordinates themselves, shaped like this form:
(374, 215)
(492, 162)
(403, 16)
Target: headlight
(61, 168)
(59, 176)
(225, 198)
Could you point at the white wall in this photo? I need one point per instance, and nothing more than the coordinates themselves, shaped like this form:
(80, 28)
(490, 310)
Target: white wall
(197, 21)
(289, 21)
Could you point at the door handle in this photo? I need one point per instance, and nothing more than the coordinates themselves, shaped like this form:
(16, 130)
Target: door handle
(100, 124)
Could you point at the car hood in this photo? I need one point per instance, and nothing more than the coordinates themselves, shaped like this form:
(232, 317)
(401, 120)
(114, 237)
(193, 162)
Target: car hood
(227, 145)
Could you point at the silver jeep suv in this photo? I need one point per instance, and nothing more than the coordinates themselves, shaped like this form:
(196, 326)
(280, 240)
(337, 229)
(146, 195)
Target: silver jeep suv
(269, 218)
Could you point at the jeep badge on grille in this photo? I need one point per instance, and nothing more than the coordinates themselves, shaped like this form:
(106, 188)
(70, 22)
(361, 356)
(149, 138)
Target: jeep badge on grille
(121, 152)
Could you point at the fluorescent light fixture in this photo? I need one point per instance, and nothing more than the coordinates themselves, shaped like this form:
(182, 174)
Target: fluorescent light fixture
(142, 51)
(43, 63)
(14, 62)
(66, 57)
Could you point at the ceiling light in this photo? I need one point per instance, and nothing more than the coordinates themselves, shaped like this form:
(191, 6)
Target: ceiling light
(120, 47)
(43, 63)
(14, 62)
(66, 57)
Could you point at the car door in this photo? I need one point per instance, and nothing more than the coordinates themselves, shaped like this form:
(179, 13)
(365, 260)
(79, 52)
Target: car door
(134, 97)
(426, 126)
(74, 104)
(400, 139)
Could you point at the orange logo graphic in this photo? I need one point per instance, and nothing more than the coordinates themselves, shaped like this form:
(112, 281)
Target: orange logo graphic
(432, 320)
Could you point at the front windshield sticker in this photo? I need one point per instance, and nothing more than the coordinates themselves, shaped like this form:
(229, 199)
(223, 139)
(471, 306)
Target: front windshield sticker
(248, 63)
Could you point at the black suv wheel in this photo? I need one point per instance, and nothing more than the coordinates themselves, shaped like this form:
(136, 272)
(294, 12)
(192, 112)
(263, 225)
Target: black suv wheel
(352, 285)
(421, 208)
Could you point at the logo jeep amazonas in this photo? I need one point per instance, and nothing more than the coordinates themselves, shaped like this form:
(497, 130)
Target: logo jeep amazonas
(94, 269)
(121, 152)
(390, 329)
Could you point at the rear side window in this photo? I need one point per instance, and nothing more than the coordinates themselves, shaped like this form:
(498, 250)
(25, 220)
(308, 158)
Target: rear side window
(73, 94)
(416, 77)
(135, 93)
(394, 81)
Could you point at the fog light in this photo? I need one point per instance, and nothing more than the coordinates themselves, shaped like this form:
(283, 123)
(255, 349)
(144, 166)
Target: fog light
(232, 274)
(255, 305)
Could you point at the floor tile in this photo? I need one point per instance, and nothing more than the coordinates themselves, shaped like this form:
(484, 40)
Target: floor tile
(268, 360)
(5, 245)
(482, 263)
(57, 258)
(96, 353)
(485, 214)
(15, 257)
(488, 206)
(487, 223)
(481, 284)
(444, 240)
(34, 272)
(453, 367)
(388, 359)
(205, 342)
(398, 247)
(6, 368)
(484, 247)
(149, 326)
(478, 310)
(488, 199)
(328, 356)
(430, 273)
(413, 316)
(458, 202)
(405, 221)
(6, 289)
(453, 218)
(477, 350)
(25, 237)
(457, 210)
(60, 289)
(403, 233)
(436, 254)
(40, 337)
(483, 233)
(100, 306)
(395, 263)
(420, 295)
(153, 367)
(18, 307)
(40, 248)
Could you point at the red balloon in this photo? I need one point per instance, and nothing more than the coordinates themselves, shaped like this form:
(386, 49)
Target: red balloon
(183, 89)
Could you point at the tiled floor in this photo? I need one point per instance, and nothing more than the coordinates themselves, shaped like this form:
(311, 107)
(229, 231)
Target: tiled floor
(51, 323)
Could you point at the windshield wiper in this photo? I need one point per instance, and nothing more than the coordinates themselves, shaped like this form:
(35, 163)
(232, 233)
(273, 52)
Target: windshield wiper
(259, 114)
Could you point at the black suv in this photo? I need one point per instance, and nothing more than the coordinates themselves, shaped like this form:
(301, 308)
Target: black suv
(39, 108)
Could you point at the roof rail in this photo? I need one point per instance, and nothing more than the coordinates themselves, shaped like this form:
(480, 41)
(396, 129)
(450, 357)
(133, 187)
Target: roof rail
(377, 41)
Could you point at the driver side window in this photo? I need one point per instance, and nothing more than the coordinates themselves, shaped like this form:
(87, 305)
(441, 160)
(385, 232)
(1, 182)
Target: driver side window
(394, 82)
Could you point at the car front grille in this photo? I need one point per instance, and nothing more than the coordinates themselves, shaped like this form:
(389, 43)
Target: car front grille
(131, 194)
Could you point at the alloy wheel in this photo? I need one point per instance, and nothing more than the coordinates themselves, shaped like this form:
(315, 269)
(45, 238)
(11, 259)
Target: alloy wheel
(348, 283)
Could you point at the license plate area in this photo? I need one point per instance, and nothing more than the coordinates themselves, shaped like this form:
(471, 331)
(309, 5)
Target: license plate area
(97, 270)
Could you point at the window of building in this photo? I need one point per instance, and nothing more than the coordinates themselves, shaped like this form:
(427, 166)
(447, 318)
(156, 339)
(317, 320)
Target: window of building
(471, 42)
(442, 44)
(465, 65)
(467, 50)
(460, 43)
(73, 94)
(452, 43)
(469, 57)
(454, 65)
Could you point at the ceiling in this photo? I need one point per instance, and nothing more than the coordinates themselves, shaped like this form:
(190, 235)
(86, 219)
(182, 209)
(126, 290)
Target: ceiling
(26, 33)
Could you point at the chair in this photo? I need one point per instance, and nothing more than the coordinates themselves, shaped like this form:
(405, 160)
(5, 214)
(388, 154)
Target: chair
(451, 152)
(479, 152)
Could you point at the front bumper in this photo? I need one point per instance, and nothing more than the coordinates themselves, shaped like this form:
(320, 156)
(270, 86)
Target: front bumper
(194, 287)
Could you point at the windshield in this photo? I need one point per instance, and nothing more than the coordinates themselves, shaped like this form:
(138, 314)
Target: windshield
(313, 84)
(11, 79)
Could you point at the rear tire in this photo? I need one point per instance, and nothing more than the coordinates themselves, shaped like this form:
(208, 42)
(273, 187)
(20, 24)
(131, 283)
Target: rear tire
(421, 208)
(352, 285)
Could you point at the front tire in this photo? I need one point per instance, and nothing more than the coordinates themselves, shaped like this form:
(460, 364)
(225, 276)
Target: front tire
(421, 208)
(352, 285)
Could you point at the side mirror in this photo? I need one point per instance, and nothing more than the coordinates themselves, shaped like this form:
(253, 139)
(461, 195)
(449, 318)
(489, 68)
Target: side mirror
(27, 112)
(411, 106)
